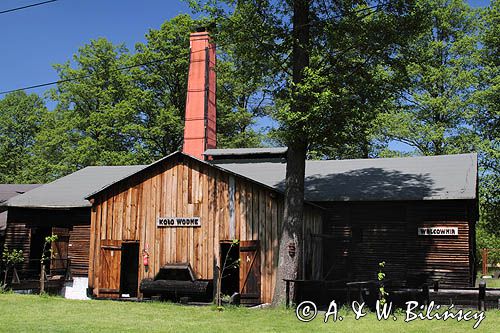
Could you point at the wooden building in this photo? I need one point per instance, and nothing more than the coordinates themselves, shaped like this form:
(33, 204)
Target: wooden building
(417, 214)
(121, 225)
(57, 208)
(126, 218)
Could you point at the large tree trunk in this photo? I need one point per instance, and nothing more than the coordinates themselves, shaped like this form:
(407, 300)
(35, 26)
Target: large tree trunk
(291, 242)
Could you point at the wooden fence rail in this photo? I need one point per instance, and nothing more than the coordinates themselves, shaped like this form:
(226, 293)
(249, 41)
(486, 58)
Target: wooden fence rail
(481, 298)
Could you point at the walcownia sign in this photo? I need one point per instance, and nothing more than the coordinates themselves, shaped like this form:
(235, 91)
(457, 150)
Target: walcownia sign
(438, 231)
(178, 222)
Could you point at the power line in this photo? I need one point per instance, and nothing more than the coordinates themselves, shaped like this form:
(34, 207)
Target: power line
(82, 76)
(27, 6)
(136, 65)
(88, 75)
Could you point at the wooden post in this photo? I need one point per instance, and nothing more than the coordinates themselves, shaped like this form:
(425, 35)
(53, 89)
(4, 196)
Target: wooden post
(436, 286)
(218, 287)
(361, 297)
(68, 275)
(216, 275)
(482, 295)
(425, 293)
(485, 261)
(42, 277)
(287, 296)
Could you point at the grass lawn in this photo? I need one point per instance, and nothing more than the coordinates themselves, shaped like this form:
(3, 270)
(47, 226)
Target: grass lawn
(490, 283)
(21, 313)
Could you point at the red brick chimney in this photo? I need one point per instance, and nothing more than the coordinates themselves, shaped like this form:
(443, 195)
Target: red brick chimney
(199, 126)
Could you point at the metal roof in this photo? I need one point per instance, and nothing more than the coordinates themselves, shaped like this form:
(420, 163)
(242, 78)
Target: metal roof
(70, 191)
(8, 191)
(408, 178)
(245, 151)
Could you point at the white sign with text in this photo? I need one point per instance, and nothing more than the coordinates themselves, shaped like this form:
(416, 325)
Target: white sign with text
(178, 222)
(438, 231)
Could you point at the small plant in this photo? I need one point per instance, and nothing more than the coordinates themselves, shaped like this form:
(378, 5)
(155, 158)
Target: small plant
(221, 270)
(381, 290)
(46, 254)
(9, 260)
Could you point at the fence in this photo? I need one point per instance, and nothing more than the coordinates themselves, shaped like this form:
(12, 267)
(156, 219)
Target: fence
(322, 292)
(57, 271)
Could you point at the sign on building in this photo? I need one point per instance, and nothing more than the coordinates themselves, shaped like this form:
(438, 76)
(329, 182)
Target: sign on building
(178, 222)
(438, 231)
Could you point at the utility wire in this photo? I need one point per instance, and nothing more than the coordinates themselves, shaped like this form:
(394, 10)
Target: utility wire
(84, 76)
(89, 75)
(131, 66)
(27, 6)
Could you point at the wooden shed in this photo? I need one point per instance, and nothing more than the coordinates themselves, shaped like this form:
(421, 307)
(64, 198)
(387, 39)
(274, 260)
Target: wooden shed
(58, 208)
(418, 214)
(144, 212)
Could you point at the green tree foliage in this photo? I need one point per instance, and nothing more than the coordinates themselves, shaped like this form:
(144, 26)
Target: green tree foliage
(94, 113)
(160, 87)
(327, 66)
(22, 117)
(352, 72)
(160, 92)
(431, 113)
(117, 113)
(240, 101)
(486, 123)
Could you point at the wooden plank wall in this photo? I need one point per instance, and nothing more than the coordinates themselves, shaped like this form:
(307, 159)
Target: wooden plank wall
(183, 188)
(313, 249)
(446, 258)
(78, 249)
(75, 222)
(388, 232)
(17, 237)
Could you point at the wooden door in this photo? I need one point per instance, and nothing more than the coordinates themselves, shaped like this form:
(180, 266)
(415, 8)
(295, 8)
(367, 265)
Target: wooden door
(59, 263)
(250, 272)
(109, 269)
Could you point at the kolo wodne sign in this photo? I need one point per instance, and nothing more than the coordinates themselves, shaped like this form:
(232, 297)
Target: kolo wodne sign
(178, 222)
(438, 231)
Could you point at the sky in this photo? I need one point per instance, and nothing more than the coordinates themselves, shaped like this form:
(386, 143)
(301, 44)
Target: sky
(35, 38)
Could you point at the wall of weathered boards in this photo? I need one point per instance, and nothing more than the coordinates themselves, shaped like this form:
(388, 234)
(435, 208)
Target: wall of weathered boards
(27, 228)
(359, 235)
(229, 206)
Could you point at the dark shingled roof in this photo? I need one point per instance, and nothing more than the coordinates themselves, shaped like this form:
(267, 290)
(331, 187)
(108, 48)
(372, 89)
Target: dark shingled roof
(8, 191)
(70, 191)
(409, 178)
